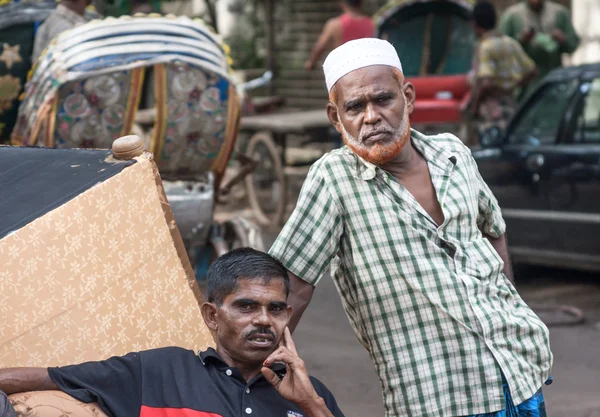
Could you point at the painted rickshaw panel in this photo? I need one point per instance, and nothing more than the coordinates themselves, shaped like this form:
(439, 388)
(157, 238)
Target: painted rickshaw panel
(87, 88)
(18, 24)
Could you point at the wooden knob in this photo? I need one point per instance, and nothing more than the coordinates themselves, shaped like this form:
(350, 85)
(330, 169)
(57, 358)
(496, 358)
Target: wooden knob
(128, 147)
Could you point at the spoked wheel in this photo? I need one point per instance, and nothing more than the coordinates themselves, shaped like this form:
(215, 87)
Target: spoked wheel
(265, 186)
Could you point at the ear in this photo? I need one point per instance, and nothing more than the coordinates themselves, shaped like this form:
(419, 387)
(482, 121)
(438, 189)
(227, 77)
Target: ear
(409, 96)
(210, 316)
(334, 117)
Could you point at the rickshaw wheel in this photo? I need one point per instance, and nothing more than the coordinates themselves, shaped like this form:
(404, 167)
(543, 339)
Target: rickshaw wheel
(265, 186)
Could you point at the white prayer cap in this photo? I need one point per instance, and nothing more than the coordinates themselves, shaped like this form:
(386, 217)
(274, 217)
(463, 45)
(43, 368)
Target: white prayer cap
(358, 54)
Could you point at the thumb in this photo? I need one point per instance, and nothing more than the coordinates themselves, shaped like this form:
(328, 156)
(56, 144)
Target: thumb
(271, 376)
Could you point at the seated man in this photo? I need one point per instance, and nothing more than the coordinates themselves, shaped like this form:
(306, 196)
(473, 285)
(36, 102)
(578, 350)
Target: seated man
(255, 367)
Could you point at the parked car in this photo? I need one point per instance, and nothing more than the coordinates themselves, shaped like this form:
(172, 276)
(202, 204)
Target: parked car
(545, 171)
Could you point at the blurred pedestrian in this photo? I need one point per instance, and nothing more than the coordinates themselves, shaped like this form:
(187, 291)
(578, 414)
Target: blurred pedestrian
(141, 6)
(352, 24)
(66, 15)
(417, 247)
(545, 30)
(501, 67)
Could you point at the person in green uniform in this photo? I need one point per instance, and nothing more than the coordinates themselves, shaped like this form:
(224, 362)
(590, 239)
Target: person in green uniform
(545, 30)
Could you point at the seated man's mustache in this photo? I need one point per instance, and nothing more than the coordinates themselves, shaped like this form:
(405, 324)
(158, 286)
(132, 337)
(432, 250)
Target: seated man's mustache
(263, 331)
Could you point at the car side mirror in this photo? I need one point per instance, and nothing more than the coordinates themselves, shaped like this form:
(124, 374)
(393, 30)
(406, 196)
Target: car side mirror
(491, 137)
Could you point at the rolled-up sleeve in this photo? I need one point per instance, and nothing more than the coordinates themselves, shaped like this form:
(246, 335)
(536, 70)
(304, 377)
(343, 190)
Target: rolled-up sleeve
(310, 238)
(489, 218)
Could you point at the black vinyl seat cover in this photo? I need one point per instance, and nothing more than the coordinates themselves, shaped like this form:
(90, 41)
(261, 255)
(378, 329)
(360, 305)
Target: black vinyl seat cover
(34, 181)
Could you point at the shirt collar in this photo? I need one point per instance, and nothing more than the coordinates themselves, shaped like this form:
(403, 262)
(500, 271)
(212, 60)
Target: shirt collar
(426, 145)
(211, 355)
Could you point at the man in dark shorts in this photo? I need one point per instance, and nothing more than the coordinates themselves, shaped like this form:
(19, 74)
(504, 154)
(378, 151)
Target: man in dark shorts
(254, 371)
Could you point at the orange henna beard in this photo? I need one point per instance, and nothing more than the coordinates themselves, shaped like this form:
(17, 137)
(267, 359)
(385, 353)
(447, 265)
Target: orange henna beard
(380, 153)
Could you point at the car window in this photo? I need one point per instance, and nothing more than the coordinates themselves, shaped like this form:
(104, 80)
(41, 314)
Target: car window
(539, 121)
(588, 119)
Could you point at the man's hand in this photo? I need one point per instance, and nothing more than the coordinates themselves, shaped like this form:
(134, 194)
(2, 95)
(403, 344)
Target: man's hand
(559, 36)
(526, 35)
(295, 386)
(309, 65)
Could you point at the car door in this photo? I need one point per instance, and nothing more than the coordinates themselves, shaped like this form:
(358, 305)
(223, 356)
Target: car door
(573, 189)
(517, 169)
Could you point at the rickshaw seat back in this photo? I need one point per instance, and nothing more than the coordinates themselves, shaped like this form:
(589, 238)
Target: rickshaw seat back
(435, 42)
(439, 99)
(52, 404)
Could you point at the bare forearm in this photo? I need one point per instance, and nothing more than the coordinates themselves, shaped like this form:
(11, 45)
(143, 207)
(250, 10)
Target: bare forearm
(316, 52)
(300, 295)
(500, 244)
(13, 380)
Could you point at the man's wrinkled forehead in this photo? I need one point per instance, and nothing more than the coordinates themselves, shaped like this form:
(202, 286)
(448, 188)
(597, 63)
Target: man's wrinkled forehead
(356, 55)
(367, 82)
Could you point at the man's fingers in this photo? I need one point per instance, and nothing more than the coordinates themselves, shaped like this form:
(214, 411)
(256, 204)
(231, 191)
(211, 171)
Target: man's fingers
(271, 376)
(289, 342)
(284, 355)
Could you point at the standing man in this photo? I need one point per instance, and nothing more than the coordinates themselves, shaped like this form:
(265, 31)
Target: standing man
(66, 15)
(501, 67)
(418, 251)
(352, 24)
(545, 30)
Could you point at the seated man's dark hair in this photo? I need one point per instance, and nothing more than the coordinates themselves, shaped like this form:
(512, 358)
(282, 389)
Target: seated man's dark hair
(242, 263)
(484, 15)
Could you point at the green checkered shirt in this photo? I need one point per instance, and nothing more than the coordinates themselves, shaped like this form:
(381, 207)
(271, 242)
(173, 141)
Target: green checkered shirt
(431, 304)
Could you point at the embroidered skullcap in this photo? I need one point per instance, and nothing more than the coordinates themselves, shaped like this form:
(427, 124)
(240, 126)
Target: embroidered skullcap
(358, 54)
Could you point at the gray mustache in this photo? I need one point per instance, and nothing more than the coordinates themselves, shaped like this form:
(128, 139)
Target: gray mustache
(365, 135)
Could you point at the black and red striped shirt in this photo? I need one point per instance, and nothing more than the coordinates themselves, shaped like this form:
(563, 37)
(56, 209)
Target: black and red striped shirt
(175, 382)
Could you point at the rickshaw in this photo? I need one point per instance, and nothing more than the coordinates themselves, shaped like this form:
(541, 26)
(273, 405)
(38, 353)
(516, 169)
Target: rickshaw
(18, 24)
(85, 92)
(435, 42)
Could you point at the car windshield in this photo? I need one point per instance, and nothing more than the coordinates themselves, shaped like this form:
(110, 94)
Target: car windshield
(539, 121)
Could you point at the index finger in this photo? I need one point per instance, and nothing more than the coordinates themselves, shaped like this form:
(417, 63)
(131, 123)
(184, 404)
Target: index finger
(288, 342)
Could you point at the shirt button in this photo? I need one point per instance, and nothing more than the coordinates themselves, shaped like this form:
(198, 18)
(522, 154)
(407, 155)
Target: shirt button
(247, 390)
(248, 410)
(228, 372)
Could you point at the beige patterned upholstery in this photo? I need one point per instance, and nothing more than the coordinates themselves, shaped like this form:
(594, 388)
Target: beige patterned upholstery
(52, 404)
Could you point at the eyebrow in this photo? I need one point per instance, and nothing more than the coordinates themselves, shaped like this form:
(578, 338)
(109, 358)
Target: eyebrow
(247, 301)
(380, 94)
(383, 94)
(351, 103)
